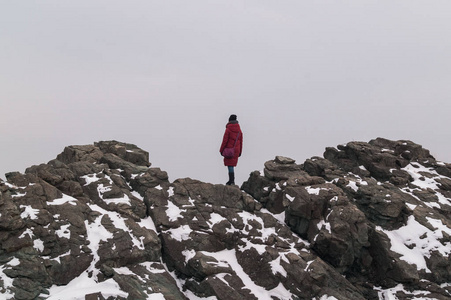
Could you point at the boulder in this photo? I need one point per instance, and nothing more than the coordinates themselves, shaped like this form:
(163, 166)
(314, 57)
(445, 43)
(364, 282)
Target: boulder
(88, 153)
(282, 168)
(128, 152)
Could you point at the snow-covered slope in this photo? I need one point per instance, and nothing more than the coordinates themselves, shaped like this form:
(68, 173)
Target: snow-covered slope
(367, 221)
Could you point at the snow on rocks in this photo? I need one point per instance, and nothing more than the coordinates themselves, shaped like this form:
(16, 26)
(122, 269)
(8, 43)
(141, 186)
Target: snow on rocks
(7, 281)
(74, 223)
(29, 212)
(64, 199)
(383, 208)
(416, 242)
(216, 242)
(367, 221)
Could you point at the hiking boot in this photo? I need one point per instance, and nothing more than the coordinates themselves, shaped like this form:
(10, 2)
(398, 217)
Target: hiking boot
(231, 179)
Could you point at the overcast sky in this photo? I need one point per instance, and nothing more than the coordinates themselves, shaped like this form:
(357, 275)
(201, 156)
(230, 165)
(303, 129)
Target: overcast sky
(166, 75)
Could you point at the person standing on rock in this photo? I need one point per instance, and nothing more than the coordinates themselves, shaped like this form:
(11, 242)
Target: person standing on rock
(231, 147)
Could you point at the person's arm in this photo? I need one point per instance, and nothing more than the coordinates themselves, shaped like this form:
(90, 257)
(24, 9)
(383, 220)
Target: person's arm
(225, 139)
(241, 143)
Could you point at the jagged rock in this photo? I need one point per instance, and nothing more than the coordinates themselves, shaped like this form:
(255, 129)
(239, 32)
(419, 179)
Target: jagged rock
(268, 192)
(257, 185)
(374, 191)
(443, 169)
(284, 160)
(382, 204)
(10, 219)
(321, 167)
(445, 183)
(198, 222)
(73, 154)
(151, 178)
(282, 168)
(84, 168)
(202, 266)
(115, 162)
(228, 286)
(366, 220)
(405, 149)
(127, 152)
(55, 238)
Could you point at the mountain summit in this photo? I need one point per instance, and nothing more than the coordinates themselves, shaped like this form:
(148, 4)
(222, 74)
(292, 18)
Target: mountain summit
(366, 221)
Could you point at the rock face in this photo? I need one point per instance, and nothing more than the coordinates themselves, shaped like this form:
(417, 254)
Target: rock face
(367, 221)
(378, 212)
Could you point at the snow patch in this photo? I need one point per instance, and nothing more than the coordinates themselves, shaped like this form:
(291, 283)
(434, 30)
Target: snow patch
(327, 297)
(306, 269)
(123, 271)
(180, 233)
(188, 254)
(150, 268)
(18, 195)
(137, 195)
(64, 199)
(291, 199)
(148, 223)
(261, 249)
(323, 224)
(277, 268)
(38, 245)
(313, 191)
(101, 189)
(417, 171)
(63, 232)
(58, 258)
(171, 191)
(265, 232)
(354, 180)
(71, 291)
(90, 179)
(29, 212)
(415, 242)
(229, 257)
(27, 231)
(174, 212)
(390, 293)
(215, 219)
(8, 281)
(124, 200)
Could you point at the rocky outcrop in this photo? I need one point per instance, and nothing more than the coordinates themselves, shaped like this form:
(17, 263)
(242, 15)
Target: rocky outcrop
(366, 221)
(371, 210)
(78, 219)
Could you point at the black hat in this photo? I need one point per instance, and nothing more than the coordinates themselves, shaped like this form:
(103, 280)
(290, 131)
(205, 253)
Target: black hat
(232, 118)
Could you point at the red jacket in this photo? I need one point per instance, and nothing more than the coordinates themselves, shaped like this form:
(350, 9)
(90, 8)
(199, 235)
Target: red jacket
(230, 135)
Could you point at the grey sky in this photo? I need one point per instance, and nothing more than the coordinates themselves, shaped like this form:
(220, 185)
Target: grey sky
(165, 75)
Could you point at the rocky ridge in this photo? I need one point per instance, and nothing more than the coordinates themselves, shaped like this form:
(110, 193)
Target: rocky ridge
(366, 221)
